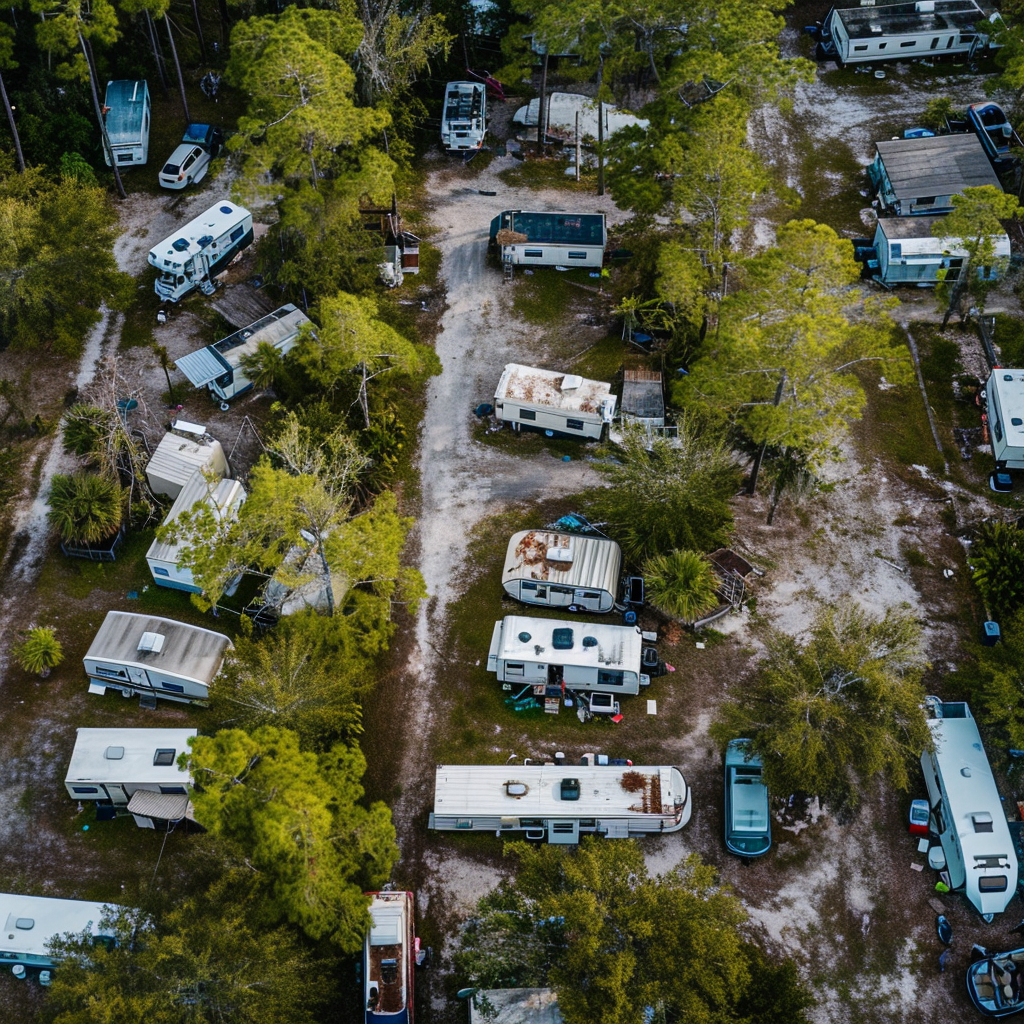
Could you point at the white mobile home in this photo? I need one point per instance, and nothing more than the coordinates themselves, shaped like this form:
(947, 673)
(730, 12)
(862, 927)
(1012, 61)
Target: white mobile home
(177, 457)
(150, 655)
(563, 570)
(223, 496)
(197, 252)
(550, 239)
(219, 366)
(32, 922)
(1004, 399)
(560, 802)
(109, 765)
(127, 117)
(927, 28)
(464, 117)
(577, 655)
(556, 403)
(910, 253)
(966, 811)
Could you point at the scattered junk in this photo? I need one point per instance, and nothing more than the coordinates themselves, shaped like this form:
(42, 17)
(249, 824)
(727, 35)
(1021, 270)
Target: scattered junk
(553, 403)
(944, 930)
(218, 367)
(464, 117)
(223, 498)
(391, 951)
(32, 923)
(401, 247)
(1004, 407)
(563, 570)
(209, 84)
(566, 110)
(188, 164)
(975, 852)
(550, 239)
(748, 825)
(154, 657)
(186, 448)
(109, 767)
(552, 655)
(694, 93)
(194, 255)
(126, 115)
(558, 803)
(732, 571)
(989, 122)
(927, 28)
(913, 177)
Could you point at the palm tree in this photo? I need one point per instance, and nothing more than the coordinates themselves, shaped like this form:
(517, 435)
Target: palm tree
(40, 651)
(85, 508)
(682, 584)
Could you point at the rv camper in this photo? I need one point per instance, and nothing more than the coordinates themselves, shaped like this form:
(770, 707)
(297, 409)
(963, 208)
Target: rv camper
(558, 404)
(563, 570)
(219, 366)
(194, 255)
(910, 253)
(186, 448)
(127, 121)
(549, 239)
(152, 656)
(559, 802)
(1004, 400)
(967, 813)
(223, 496)
(389, 959)
(562, 654)
(31, 923)
(464, 119)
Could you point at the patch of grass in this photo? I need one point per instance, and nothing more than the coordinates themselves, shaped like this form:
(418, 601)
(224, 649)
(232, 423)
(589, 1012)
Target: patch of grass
(542, 298)
(530, 442)
(602, 361)
(914, 558)
(1009, 336)
(548, 173)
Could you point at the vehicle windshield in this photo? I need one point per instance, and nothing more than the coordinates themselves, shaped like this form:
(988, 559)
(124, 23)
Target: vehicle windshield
(170, 169)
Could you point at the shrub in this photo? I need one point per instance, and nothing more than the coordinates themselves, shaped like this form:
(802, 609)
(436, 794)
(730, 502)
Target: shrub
(682, 584)
(84, 428)
(40, 651)
(85, 508)
(998, 560)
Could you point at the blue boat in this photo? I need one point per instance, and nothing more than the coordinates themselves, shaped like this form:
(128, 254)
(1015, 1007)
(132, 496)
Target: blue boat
(989, 122)
(995, 984)
(748, 828)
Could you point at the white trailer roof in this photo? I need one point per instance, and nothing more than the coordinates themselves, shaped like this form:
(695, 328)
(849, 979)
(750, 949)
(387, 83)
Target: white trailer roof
(188, 651)
(177, 458)
(616, 646)
(175, 251)
(567, 559)
(1008, 386)
(223, 495)
(30, 922)
(481, 790)
(916, 236)
(566, 391)
(129, 755)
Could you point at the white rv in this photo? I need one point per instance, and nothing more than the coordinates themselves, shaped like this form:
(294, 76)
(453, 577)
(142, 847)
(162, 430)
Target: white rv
(179, 454)
(464, 119)
(150, 655)
(1004, 399)
(549, 238)
(200, 250)
(577, 655)
(223, 496)
(219, 366)
(127, 117)
(32, 922)
(560, 802)
(966, 811)
(558, 404)
(563, 570)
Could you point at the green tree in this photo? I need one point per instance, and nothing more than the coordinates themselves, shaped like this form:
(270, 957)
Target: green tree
(997, 565)
(299, 822)
(39, 651)
(682, 584)
(829, 714)
(997, 683)
(85, 428)
(8, 63)
(85, 508)
(664, 495)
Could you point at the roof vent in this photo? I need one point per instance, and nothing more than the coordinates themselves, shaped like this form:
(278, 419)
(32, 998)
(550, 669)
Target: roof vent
(561, 639)
(1016, 421)
(1007, 376)
(965, 772)
(517, 789)
(180, 245)
(590, 641)
(26, 924)
(164, 756)
(227, 209)
(571, 381)
(114, 753)
(569, 789)
(560, 554)
(982, 821)
(525, 637)
(152, 642)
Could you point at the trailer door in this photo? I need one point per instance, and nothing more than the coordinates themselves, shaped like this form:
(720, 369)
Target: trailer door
(116, 793)
(564, 833)
(139, 677)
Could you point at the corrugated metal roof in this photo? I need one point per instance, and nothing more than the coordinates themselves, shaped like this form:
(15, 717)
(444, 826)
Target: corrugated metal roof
(916, 237)
(909, 18)
(942, 165)
(642, 396)
(126, 99)
(596, 562)
(224, 495)
(162, 806)
(177, 458)
(279, 329)
(203, 366)
(531, 386)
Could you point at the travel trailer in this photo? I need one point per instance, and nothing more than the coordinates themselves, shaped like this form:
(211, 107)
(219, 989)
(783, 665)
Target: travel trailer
(464, 118)
(557, 404)
(194, 255)
(910, 253)
(563, 570)
(389, 959)
(127, 116)
(1004, 403)
(559, 802)
(219, 366)
(153, 656)
(966, 812)
(549, 239)
(184, 449)
(572, 655)
(32, 922)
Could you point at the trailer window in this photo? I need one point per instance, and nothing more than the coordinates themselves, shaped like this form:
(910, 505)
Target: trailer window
(605, 678)
(515, 668)
(527, 414)
(857, 49)
(992, 883)
(112, 673)
(577, 255)
(237, 233)
(84, 789)
(997, 430)
(157, 571)
(534, 254)
(173, 687)
(935, 42)
(174, 790)
(909, 42)
(574, 424)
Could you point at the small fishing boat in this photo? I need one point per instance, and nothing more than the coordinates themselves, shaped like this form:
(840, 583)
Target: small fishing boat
(989, 122)
(464, 119)
(389, 959)
(996, 984)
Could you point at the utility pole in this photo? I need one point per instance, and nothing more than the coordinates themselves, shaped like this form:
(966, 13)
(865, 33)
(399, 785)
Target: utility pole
(577, 145)
(756, 469)
(542, 103)
(600, 130)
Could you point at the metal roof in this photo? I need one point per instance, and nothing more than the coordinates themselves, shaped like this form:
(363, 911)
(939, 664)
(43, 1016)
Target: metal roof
(202, 366)
(224, 496)
(1010, 395)
(642, 396)
(189, 651)
(593, 562)
(163, 806)
(276, 329)
(910, 19)
(176, 459)
(916, 237)
(526, 385)
(176, 250)
(940, 165)
(616, 647)
(553, 228)
(30, 922)
(126, 100)
(137, 748)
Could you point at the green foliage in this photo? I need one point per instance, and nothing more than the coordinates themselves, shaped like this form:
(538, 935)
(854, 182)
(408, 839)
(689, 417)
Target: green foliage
(85, 429)
(666, 496)
(936, 112)
(299, 822)
(997, 557)
(829, 714)
(682, 584)
(39, 651)
(85, 508)
(998, 683)
(75, 167)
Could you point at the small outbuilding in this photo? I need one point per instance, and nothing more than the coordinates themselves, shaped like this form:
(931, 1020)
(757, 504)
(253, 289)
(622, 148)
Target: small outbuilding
(127, 116)
(32, 922)
(909, 252)
(550, 239)
(182, 451)
(555, 403)
(920, 176)
(153, 656)
(563, 570)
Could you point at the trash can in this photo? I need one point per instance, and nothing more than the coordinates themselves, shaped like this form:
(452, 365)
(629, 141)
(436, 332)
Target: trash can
(990, 634)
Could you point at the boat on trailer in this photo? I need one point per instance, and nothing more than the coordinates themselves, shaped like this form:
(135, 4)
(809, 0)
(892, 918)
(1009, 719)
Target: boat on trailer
(464, 119)
(389, 959)
(996, 984)
(989, 122)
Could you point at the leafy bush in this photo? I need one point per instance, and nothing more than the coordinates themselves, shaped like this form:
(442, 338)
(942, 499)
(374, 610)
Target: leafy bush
(998, 560)
(996, 683)
(40, 651)
(682, 584)
(85, 508)
(84, 428)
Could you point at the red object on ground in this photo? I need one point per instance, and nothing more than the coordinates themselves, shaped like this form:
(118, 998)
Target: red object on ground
(669, 668)
(616, 719)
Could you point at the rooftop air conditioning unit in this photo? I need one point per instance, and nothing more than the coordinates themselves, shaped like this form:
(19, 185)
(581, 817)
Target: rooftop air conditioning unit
(153, 642)
(571, 381)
